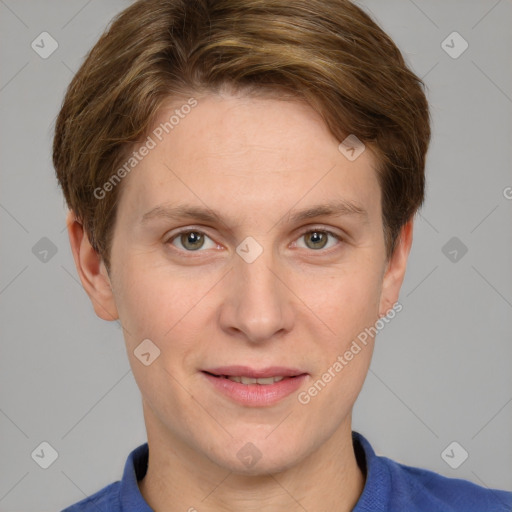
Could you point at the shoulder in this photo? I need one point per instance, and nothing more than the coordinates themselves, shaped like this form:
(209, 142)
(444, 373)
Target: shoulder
(106, 500)
(431, 491)
(123, 494)
(391, 486)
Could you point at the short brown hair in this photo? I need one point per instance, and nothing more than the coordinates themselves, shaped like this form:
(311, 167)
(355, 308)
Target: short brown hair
(329, 53)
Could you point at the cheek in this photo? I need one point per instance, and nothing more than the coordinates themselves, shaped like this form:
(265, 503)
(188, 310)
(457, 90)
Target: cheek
(162, 306)
(164, 309)
(345, 302)
(349, 307)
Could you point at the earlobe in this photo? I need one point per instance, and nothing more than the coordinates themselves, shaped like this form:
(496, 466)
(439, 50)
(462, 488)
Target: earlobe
(395, 269)
(91, 270)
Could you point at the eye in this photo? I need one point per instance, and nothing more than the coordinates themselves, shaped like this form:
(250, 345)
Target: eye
(191, 240)
(318, 239)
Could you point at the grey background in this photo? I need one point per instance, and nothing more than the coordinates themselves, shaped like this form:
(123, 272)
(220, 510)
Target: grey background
(441, 369)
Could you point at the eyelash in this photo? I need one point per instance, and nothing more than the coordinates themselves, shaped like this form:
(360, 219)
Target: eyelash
(338, 237)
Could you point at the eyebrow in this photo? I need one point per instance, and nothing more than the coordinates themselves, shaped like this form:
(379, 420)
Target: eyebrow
(336, 208)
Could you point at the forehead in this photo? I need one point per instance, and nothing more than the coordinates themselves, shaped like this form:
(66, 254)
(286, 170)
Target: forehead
(244, 155)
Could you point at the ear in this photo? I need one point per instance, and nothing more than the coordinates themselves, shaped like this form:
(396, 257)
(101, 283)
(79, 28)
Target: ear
(395, 270)
(91, 270)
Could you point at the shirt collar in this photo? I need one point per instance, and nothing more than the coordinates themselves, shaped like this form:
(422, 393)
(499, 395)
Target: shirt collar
(135, 468)
(377, 488)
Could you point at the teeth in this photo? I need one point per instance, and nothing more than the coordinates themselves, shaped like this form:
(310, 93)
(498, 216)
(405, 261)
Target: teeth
(251, 380)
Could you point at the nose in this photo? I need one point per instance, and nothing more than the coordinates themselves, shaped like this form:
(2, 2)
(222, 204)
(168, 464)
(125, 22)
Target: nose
(258, 304)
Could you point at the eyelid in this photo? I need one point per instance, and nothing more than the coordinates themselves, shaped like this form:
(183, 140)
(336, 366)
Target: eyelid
(187, 229)
(311, 229)
(306, 230)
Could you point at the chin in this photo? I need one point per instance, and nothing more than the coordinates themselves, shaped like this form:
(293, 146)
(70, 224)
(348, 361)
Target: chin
(258, 458)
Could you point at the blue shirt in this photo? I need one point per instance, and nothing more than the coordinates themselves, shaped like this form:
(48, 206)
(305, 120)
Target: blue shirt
(389, 487)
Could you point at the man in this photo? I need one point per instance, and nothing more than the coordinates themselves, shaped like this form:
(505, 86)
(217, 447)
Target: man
(242, 178)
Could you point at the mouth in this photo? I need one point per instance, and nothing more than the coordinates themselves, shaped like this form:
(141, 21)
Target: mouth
(243, 379)
(255, 387)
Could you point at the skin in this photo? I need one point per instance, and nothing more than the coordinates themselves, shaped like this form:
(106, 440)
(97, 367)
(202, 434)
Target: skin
(254, 161)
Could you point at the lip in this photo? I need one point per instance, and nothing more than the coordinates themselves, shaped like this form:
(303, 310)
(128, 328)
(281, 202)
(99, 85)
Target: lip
(255, 395)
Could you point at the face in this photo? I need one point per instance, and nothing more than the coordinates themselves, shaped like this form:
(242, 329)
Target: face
(226, 257)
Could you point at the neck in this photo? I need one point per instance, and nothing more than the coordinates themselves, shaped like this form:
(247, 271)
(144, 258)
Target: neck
(180, 479)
